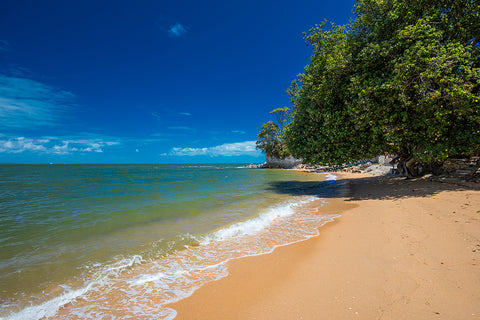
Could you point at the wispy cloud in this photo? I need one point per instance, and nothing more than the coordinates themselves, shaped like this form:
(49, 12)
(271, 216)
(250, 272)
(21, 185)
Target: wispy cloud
(4, 45)
(177, 30)
(238, 132)
(54, 145)
(156, 115)
(181, 128)
(26, 103)
(185, 114)
(226, 149)
(162, 135)
(20, 72)
(21, 144)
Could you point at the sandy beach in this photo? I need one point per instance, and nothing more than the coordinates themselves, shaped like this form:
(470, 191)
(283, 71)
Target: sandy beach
(402, 249)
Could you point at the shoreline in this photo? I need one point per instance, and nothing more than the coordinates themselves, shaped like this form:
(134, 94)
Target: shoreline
(402, 249)
(193, 266)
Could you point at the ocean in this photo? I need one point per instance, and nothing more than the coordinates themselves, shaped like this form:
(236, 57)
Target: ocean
(123, 241)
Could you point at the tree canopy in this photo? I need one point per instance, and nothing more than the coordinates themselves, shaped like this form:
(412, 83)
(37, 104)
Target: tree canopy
(271, 136)
(403, 77)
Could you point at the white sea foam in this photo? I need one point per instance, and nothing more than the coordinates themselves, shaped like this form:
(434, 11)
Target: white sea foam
(50, 307)
(256, 224)
(149, 278)
(331, 177)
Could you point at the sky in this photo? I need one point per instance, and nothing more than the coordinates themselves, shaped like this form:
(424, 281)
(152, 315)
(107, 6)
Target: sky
(95, 81)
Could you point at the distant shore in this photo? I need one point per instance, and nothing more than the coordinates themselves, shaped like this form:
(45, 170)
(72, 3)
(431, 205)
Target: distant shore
(403, 249)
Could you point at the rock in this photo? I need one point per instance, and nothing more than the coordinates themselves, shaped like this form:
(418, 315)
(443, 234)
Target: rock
(256, 165)
(378, 169)
(287, 163)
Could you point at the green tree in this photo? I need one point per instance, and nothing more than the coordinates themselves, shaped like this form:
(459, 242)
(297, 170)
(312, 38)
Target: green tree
(271, 136)
(403, 78)
(282, 116)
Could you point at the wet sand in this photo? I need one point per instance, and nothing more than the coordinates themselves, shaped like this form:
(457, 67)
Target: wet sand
(403, 249)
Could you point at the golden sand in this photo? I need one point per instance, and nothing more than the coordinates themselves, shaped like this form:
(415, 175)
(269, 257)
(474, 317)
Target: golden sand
(403, 249)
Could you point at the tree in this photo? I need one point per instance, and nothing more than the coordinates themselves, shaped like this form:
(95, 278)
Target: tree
(402, 78)
(270, 138)
(282, 116)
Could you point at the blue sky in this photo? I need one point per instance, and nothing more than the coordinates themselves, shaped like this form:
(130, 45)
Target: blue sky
(148, 81)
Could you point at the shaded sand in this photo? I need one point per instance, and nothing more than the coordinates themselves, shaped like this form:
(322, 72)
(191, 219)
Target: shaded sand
(401, 250)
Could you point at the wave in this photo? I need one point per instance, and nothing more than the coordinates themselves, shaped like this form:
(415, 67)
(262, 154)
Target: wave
(254, 225)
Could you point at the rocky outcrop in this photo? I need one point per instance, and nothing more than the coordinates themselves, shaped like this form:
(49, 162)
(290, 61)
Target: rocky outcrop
(273, 162)
(375, 169)
(287, 163)
(256, 166)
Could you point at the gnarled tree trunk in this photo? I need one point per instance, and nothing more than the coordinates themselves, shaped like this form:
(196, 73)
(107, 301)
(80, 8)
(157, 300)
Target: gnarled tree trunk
(406, 166)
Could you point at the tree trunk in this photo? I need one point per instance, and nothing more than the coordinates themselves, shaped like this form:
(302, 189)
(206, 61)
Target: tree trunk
(407, 167)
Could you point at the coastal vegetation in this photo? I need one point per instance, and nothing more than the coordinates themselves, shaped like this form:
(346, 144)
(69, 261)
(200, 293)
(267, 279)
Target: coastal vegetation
(403, 77)
(271, 137)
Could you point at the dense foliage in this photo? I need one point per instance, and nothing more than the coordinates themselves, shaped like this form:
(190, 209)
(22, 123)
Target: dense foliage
(403, 78)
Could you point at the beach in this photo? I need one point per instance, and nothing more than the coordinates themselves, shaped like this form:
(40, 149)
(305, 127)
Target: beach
(402, 249)
(249, 244)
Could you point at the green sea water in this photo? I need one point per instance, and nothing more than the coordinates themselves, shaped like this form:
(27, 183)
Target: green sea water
(68, 230)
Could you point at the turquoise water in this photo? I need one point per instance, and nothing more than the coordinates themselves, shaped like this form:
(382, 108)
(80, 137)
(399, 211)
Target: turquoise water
(77, 233)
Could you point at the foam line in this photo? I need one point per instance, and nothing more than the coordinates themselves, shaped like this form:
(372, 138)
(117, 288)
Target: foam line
(256, 224)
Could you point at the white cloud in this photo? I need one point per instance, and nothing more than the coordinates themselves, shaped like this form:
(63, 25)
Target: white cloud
(185, 113)
(26, 103)
(177, 30)
(238, 132)
(54, 145)
(21, 144)
(226, 149)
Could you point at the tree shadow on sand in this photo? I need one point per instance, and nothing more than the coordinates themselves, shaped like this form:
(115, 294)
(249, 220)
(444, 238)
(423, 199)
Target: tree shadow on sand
(369, 188)
(321, 189)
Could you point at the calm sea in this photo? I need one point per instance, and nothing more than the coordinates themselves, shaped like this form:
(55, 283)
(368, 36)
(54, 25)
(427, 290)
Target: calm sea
(90, 241)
